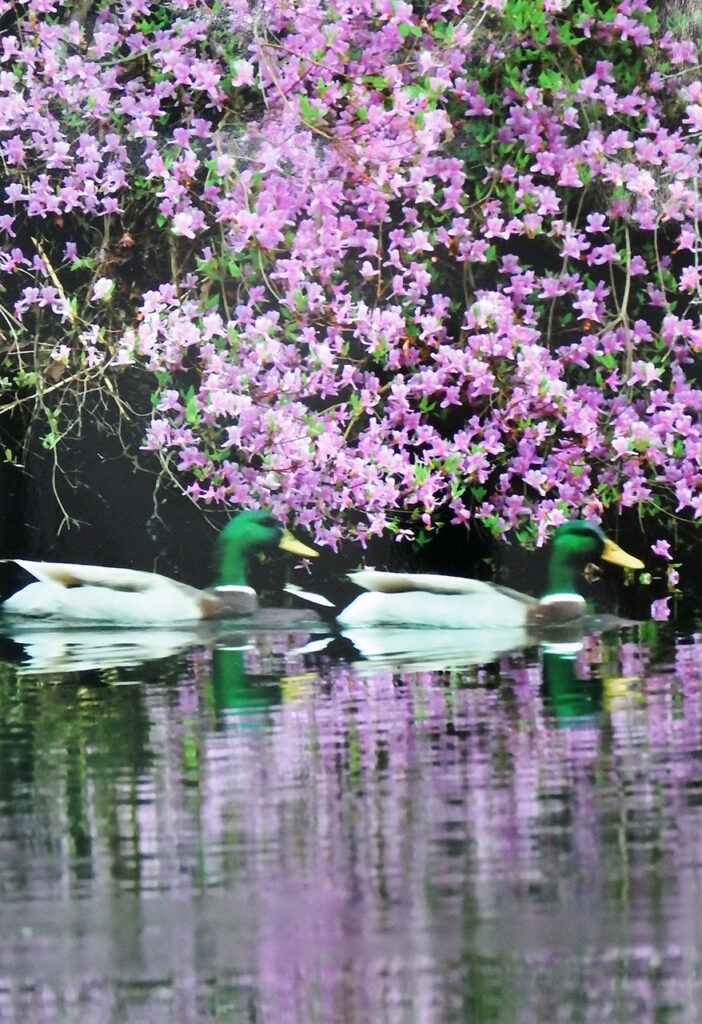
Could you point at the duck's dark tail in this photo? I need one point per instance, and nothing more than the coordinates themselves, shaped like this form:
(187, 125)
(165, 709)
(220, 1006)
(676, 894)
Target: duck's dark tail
(326, 609)
(335, 645)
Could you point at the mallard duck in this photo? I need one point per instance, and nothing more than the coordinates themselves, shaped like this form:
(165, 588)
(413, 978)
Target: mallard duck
(93, 593)
(453, 602)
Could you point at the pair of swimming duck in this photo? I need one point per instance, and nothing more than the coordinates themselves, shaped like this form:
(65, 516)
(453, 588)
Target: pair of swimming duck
(86, 593)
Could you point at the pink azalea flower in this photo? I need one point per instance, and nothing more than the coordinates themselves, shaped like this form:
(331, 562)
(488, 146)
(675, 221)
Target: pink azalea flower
(694, 117)
(243, 73)
(102, 289)
(662, 549)
(184, 223)
(689, 278)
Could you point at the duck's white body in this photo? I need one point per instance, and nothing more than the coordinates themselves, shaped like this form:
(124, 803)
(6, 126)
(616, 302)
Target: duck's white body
(88, 593)
(433, 601)
(457, 611)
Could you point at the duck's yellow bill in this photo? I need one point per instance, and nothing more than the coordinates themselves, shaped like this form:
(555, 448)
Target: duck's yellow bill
(295, 546)
(618, 556)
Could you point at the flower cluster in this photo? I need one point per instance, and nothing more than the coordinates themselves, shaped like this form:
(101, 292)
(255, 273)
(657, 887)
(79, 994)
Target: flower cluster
(386, 269)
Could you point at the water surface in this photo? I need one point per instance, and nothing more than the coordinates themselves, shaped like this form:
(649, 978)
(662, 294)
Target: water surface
(226, 828)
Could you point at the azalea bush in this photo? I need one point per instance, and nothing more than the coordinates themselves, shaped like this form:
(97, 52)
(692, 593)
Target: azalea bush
(383, 265)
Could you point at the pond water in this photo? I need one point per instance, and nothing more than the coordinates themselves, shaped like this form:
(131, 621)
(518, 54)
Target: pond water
(249, 826)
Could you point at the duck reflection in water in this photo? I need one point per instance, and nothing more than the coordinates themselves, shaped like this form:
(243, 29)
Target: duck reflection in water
(247, 668)
(580, 681)
(236, 689)
(573, 699)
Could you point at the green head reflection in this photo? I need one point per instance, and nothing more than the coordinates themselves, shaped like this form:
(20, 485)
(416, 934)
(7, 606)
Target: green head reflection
(235, 690)
(573, 700)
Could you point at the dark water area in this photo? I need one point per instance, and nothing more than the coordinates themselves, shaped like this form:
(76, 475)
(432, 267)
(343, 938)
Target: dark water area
(241, 825)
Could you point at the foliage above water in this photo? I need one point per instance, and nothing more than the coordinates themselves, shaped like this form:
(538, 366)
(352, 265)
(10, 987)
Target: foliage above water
(386, 265)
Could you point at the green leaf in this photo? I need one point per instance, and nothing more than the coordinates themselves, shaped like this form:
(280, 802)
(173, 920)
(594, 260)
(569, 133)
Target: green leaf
(192, 411)
(421, 473)
(444, 31)
(309, 111)
(26, 378)
(405, 30)
(550, 79)
(566, 36)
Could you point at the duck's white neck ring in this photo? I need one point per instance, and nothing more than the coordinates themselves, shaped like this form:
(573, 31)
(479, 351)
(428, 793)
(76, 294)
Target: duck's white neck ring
(559, 598)
(233, 588)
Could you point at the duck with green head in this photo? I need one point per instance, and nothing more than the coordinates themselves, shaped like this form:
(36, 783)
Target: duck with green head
(443, 602)
(91, 593)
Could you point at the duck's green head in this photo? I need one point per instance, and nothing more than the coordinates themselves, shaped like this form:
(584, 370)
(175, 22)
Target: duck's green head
(574, 545)
(245, 535)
